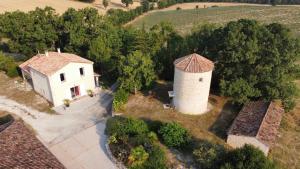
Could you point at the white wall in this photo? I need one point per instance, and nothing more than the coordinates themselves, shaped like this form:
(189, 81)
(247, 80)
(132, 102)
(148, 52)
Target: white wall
(240, 141)
(191, 95)
(41, 84)
(61, 90)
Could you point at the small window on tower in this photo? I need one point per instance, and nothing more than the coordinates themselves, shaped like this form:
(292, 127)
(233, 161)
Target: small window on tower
(201, 79)
(62, 77)
(81, 71)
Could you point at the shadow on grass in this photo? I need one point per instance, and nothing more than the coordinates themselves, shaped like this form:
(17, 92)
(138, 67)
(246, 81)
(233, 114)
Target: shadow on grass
(160, 91)
(225, 119)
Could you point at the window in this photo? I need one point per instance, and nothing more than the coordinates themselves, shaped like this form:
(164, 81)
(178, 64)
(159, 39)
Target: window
(81, 71)
(201, 79)
(62, 77)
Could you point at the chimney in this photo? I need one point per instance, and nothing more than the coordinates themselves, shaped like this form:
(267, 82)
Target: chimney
(46, 53)
(58, 50)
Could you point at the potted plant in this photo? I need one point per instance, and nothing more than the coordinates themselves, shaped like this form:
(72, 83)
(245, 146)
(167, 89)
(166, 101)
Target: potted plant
(90, 93)
(67, 102)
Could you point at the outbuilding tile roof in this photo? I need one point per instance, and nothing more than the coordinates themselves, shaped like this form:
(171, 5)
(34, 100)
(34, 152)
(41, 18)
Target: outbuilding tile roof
(194, 63)
(51, 63)
(258, 119)
(21, 149)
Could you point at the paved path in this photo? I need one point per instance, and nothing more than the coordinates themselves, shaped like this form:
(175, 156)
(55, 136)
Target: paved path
(84, 150)
(75, 137)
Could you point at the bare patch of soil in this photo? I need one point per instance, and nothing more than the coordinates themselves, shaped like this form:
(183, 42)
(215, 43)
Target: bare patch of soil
(14, 89)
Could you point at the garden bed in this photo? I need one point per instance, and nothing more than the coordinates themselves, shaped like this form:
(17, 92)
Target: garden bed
(143, 145)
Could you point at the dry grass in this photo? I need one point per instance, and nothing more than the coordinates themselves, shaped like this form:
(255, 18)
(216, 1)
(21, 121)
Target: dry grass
(10, 88)
(60, 5)
(211, 126)
(184, 20)
(286, 150)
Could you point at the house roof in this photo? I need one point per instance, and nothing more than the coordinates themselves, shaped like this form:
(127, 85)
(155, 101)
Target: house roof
(194, 63)
(21, 149)
(51, 63)
(258, 119)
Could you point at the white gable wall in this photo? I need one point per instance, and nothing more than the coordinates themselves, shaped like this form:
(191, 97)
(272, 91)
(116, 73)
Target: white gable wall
(41, 84)
(239, 141)
(61, 90)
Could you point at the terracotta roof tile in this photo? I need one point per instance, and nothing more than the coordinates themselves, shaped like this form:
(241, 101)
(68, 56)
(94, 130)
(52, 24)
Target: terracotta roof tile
(258, 119)
(52, 63)
(21, 149)
(194, 63)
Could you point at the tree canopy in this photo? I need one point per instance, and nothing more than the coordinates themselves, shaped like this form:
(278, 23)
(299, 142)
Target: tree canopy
(253, 61)
(136, 71)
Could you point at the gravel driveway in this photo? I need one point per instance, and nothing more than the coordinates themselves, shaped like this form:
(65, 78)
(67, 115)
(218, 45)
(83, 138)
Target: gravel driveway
(74, 135)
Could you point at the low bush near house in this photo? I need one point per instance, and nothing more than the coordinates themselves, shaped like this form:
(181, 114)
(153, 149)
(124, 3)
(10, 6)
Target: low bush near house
(121, 126)
(157, 159)
(8, 65)
(247, 157)
(174, 135)
(208, 155)
(137, 156)
(120, 98)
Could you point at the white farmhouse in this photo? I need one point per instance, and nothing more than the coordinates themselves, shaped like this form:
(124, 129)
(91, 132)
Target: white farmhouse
(58, 76)
(256, 124)
(192, 84)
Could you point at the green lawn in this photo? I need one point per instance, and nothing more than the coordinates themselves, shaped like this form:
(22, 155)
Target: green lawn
(184, 20)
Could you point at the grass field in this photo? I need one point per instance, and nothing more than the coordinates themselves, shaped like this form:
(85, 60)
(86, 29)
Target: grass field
(185, 20)
(60, 5)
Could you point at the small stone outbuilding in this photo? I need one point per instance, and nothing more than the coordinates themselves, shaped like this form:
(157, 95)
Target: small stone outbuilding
(256, 124)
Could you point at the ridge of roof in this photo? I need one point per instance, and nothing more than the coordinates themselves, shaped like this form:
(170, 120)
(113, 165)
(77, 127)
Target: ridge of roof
(50, 63)
(194, 63)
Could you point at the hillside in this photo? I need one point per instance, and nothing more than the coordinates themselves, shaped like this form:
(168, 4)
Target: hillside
(185, 20)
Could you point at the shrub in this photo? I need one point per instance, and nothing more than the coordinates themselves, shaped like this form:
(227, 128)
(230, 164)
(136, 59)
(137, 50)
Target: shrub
(146, 5)
(120, 98)
(152, 136)
(157, 159)
(197, 7)
(178, 8)
(8, 65)
(247, 157)
(208, 155)
(125, 126)
(137, 156)
(174, 135)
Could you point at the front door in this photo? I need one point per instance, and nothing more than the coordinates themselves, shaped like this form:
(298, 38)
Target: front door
(75, 91)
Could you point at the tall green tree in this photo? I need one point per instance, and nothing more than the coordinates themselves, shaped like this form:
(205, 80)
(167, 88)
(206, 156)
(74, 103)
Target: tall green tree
(105, 51)
(78, 29)
(254, 61)
(136, 72)
(127, 2)
(105, 3)
(28, 33)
